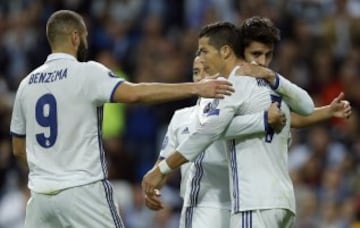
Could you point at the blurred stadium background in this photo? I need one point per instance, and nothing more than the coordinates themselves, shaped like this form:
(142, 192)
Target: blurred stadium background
(156, 40)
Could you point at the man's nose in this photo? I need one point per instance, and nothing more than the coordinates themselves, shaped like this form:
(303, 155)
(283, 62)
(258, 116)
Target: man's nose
(261, 60)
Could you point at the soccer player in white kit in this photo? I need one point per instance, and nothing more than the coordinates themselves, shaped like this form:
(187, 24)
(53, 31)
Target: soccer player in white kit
(204, 184)
(206, 209)
(56, 128)
(258, 163)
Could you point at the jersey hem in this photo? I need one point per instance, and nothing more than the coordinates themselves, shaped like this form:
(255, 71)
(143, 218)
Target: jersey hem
(262, 208)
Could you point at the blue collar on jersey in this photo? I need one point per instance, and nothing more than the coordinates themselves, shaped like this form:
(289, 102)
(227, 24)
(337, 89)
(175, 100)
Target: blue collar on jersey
(55, 56)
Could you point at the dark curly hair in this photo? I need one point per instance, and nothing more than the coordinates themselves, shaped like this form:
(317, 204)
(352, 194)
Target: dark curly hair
(260, 29)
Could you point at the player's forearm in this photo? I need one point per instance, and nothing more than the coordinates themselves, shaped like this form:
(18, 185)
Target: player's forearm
(175, 160)
(209, 128)
(195, 144)
(320, 114)
(159, 92)
(244, 125)
(297, 98)
(19, 151)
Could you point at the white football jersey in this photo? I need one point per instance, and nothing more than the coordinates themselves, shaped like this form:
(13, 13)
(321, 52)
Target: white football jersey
(208, 181)
(178, 130)
(205, 182)
(258, 163)
(58, 108)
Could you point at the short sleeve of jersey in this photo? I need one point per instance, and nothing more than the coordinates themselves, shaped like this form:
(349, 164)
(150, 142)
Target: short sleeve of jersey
(170, 141)
(212, 119)
(18, 123)
(100, 83)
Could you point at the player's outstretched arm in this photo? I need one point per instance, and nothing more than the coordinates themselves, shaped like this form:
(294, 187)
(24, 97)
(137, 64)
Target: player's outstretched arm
(128, 92)
(338, 108)
(19, 149)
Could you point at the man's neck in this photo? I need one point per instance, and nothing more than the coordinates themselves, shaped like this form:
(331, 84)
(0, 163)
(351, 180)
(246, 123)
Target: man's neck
(229, 66)
(64, 50)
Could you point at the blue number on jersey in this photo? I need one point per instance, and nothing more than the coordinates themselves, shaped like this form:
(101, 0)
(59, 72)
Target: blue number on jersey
(269, 134)
(46, 116)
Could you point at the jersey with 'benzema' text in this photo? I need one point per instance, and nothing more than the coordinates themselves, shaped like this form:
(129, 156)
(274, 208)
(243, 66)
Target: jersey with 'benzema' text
(58, 108)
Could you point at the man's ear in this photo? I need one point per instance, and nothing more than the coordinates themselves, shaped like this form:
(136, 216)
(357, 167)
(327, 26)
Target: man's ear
(225, 51)
(75, 38)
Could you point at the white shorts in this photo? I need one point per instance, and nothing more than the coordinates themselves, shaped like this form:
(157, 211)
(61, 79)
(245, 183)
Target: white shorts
(85, 206)
(271, 218)
(200, 217)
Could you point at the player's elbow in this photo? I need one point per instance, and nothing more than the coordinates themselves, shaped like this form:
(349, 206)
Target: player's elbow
(18, 151)
(308, 108)
(18, 154)
(305, 107)
(18, 146)
(128, 93)
(129, 97)
(133, 98)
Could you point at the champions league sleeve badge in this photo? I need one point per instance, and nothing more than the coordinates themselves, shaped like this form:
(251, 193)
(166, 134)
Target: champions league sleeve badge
(211, 109)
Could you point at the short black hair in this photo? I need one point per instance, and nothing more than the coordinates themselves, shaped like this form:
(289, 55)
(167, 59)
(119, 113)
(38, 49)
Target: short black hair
(61, 23)
(220, 34)
(260, 29)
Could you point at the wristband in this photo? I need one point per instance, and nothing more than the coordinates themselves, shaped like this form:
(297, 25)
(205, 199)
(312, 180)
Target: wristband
(164, 167)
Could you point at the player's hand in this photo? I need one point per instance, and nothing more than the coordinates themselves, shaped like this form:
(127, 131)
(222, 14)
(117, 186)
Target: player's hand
(276, 118)
(153, 201)
(152, 181)
(254, 70)
(214, 88)
(339, 107)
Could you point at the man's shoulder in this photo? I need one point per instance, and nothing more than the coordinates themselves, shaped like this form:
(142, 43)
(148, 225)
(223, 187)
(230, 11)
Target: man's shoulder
(184, 111)
(183, 116)
(94, 70)
(93, 65)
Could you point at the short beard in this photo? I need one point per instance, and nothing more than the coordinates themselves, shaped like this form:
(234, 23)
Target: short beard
(82, 52)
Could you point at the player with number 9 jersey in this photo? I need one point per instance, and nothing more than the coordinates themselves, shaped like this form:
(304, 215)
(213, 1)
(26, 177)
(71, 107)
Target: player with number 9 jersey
(59, 108)
(56, 127)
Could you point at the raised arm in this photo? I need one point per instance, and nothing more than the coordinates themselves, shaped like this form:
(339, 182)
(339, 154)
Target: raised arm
(161, 92)
(338, 108)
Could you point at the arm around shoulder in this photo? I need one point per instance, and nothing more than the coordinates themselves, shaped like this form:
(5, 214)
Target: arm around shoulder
(128, 92)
